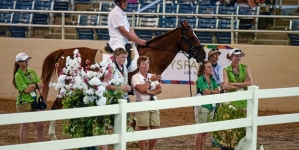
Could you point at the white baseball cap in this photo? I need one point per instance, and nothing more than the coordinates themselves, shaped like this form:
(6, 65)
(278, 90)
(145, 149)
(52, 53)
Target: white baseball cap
(236, 51)
(22, 56)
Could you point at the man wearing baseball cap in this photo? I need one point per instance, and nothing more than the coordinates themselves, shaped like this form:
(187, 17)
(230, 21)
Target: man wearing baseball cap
(217, 74)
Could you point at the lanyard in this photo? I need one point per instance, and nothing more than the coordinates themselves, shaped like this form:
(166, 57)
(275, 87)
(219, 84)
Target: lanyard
(122, 73)
(207, 84)
(120, 70)
(216, 74)
(236, 75)
(28, 76)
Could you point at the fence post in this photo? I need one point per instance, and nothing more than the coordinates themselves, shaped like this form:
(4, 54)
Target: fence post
(120, 125)
(252, 111)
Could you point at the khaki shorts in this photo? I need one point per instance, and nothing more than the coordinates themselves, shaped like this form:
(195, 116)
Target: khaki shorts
(202, 114)
(25, 107)
(148, 118)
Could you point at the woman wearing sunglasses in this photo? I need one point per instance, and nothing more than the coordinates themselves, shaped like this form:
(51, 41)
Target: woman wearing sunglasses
(237, 76)
(25, 80)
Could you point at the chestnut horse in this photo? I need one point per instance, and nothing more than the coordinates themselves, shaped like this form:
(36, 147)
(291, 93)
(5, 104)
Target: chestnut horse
(161, 51)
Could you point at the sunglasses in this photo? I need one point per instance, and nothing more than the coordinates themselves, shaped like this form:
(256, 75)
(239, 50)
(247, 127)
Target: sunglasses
(26, 61)
(215, 49)
(237, 50)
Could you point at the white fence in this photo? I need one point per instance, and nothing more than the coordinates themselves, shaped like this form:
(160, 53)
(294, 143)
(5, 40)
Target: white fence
(120, 137)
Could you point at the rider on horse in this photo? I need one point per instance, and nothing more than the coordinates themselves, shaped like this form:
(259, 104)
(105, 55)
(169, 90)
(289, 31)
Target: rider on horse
(119, 29)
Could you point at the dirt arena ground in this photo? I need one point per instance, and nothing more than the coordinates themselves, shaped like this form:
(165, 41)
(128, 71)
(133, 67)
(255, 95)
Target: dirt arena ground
(273, 137)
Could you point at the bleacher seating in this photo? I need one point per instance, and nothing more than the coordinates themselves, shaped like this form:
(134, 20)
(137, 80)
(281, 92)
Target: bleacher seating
(103, 34)
(43, 18)
(83, 1)
(147, 21)
(227, 10)
(167, 22)
(61, 5)
(7, 4)
(206, 23)
(207, 9)
(169, 8)
(247, 21)
(132, 7)
(20, 18)
(294, 38)
(87, 20)
(225, 37)
(153, 21)
(27, 5)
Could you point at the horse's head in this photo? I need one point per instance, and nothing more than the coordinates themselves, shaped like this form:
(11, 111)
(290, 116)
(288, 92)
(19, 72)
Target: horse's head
(190, 43)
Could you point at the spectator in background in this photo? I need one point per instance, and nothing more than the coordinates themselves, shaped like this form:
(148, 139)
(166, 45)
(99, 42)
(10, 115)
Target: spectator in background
(217, 74)
(205, 85)
(25, 80)
(146, 88)
(237, 76)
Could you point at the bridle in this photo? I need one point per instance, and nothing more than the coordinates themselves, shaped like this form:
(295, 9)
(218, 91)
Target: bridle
(189, 54)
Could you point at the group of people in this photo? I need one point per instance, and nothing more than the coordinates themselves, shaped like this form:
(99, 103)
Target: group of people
(213, 79)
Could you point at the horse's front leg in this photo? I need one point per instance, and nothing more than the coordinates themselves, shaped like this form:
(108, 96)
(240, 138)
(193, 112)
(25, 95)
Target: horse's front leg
(56, 105)
(51, 132)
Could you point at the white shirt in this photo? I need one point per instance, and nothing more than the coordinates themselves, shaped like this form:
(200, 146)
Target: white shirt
(139, 79)
(119, 78)
(116, 18)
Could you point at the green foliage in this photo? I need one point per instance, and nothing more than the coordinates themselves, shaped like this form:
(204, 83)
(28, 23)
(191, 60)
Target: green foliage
(89, 126)
(229, 137)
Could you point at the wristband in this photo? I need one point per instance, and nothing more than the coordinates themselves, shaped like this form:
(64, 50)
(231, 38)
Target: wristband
(138, 39)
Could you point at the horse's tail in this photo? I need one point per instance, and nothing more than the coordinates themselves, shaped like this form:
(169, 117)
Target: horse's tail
(49, 69)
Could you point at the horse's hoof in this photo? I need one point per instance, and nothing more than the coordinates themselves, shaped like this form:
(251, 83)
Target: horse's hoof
(53, 137)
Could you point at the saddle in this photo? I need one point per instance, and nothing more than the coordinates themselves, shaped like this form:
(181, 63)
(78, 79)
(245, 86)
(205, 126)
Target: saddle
(131, 53)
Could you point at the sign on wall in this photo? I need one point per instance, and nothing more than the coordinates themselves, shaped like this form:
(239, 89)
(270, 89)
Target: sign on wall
(178, 71)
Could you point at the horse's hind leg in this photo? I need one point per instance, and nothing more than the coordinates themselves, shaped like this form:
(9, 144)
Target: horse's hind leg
(56, 105)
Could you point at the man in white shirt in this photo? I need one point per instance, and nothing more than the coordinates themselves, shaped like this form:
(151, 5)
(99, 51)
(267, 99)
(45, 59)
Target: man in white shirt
(119, 29)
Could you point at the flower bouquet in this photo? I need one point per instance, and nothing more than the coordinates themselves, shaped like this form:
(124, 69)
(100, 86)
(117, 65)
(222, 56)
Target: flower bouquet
(231, 137)
(86, 87)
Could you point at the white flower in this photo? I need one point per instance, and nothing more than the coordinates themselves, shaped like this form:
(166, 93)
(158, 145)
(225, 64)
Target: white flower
(91, 74)
(52, 84)
(73, 78)
(99, 92)
(86, 99)
(117, 81)
(102, 101)
(62, 91)
(61, 78)
(231, 106)
(89, 91)
(95, 81)
(92, 98)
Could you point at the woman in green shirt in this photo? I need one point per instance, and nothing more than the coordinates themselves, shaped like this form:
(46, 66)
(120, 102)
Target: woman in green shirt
(25, 80)
(237, 76)
(205, 85)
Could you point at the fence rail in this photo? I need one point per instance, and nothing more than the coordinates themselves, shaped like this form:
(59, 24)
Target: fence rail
(233, 17)
(120, 137)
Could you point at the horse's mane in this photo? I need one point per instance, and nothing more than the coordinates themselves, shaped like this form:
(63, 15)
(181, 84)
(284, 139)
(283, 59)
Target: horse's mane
(161, 36)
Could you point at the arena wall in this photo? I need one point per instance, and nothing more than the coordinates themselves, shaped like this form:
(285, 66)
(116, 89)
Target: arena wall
(271, 67)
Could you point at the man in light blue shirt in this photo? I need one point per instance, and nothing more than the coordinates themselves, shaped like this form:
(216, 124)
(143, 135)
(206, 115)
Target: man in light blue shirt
(217, 74)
